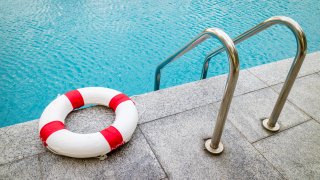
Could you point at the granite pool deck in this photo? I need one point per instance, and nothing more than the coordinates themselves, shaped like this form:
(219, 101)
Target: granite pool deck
(173, 124)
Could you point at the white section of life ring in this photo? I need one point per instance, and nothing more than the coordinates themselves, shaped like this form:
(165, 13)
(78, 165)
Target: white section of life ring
(64, 142)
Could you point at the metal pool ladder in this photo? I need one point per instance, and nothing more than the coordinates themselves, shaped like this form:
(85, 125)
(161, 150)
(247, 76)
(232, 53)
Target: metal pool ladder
(214, 145)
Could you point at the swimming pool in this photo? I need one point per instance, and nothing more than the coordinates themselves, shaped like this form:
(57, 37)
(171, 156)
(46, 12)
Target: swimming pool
(51, 47)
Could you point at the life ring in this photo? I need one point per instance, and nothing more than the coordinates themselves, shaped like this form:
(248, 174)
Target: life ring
(64, 142)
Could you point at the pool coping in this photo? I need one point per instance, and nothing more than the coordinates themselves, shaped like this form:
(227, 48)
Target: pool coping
(161, 104)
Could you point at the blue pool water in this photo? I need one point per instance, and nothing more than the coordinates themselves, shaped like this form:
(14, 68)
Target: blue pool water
(50, 47)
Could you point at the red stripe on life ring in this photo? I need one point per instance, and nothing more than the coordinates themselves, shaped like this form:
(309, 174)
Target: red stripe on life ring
(75, 98)
(118, 99)
(113, 137)
(49, 129)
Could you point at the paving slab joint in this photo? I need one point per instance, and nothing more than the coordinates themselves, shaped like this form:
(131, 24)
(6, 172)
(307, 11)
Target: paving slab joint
(153, 152)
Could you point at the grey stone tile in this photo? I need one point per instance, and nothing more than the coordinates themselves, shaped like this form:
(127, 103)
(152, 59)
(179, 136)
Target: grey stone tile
(305, 94)
(247, 110)
(90, 120)
(176, 99)
(295, 152)
(19, 141)
(246, 83)
(311, 64)
(134, 160)
(181, 98)
(178, 142)
(276, 72)
(27, 168)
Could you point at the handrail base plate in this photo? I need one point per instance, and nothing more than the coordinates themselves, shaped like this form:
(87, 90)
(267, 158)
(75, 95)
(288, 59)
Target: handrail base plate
(217, 151)
(268, 127)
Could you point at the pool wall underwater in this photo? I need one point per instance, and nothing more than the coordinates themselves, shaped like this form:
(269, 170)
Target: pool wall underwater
(51, 47)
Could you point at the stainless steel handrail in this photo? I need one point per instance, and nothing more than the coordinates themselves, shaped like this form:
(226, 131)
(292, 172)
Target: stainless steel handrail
(214, 145)
(271, 123)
